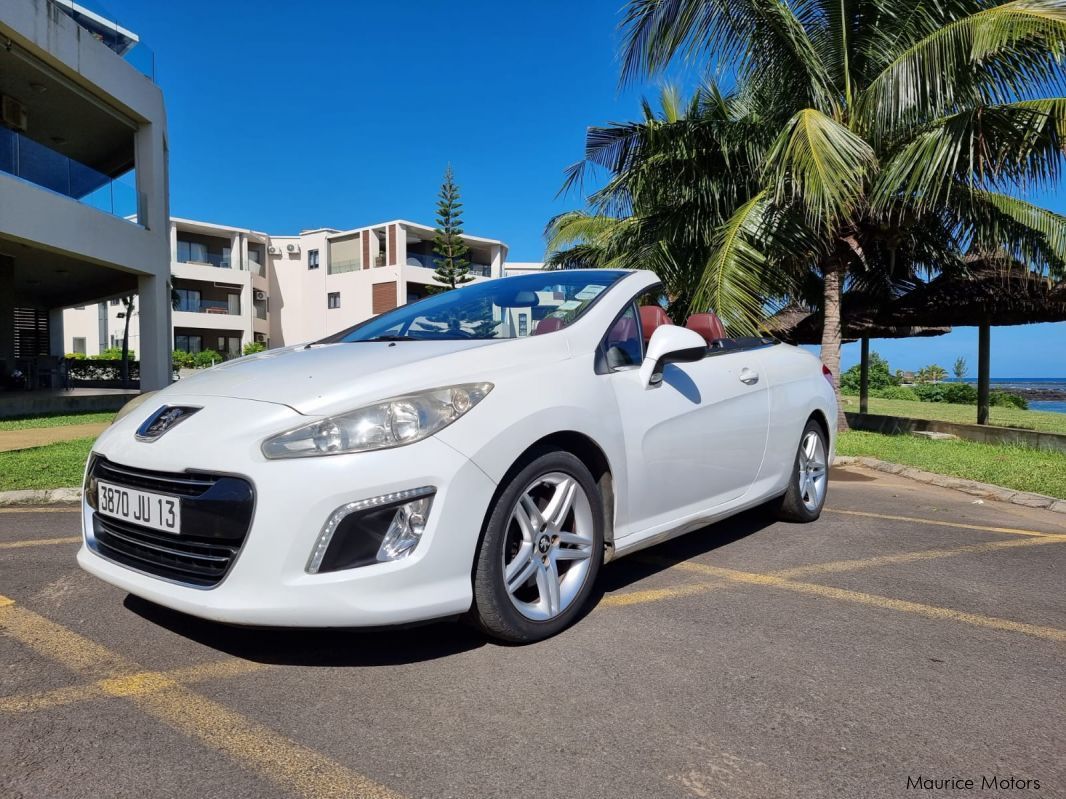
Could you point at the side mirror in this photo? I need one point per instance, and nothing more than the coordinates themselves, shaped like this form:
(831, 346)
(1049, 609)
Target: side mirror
(670, 344)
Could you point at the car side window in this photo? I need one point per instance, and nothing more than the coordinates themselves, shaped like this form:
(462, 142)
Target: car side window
(623, 345)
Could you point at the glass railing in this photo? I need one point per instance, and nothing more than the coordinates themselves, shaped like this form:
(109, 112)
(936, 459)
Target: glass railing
(430, 262)
(339, 267)
(208, 306)
(33, 162)
(207, 258)
(103, 26)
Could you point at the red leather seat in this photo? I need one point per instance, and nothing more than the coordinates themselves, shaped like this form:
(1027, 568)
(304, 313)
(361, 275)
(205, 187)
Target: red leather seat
(651, 316)
(707, 325)
(549, 324)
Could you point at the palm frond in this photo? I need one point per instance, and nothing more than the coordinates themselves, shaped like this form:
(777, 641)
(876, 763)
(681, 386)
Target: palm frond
(820, 164)
(995, 55)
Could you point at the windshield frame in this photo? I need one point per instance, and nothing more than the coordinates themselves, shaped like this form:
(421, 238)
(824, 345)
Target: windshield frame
(612, 277)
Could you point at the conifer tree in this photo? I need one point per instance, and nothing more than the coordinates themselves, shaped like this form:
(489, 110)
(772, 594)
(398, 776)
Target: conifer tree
(450, 251)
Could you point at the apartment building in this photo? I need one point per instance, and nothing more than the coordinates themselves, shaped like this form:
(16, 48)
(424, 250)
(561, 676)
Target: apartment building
(326, 280)
(83, 185)
(231, 286)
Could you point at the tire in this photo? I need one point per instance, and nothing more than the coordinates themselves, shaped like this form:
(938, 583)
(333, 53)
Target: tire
(563, 544)
(809, 481)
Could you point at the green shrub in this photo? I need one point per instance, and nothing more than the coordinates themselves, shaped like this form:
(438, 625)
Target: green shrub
(206, 358)
(182, 359)
(115, 354)
(896, 393)
(880, 376)
(955, 393)
(1005, 399)
(253, 347)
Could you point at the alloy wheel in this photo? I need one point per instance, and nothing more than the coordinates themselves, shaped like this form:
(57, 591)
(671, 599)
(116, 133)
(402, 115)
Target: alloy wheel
(548, 548)
(813, 477)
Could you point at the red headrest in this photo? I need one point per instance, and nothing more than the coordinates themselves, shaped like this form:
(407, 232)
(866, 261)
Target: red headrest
(707, 325)
(651, 316)
(549, 324)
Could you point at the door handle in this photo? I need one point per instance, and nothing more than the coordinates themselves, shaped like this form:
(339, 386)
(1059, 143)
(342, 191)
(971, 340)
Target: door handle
(748, 377)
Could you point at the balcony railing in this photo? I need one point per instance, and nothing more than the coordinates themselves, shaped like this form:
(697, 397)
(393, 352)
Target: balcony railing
(33, 162)
(208, 306)
(209, 258)
(103, 27)
(339, 267)
(430, 262)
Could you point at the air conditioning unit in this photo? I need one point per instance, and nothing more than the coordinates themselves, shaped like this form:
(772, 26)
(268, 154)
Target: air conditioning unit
(260, 295)
(13, 113)
(292, 248)
(274, 250)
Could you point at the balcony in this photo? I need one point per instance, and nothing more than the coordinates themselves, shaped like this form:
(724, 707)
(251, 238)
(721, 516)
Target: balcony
(429, 262)
(207, 259)
(31, 161)
(101, 24)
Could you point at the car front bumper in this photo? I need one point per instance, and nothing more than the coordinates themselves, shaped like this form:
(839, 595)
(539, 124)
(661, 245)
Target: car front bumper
(268, 583)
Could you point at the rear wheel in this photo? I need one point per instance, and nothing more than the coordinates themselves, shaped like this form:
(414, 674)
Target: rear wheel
(541, 552)
(809, 483)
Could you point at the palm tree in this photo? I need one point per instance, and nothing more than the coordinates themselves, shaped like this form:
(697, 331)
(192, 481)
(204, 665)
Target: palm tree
(887, 141)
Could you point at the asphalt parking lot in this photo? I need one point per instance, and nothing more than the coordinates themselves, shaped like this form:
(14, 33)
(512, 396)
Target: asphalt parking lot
(909, 633)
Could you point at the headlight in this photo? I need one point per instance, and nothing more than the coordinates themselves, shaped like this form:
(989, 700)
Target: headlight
(133, 405)
(390, 423)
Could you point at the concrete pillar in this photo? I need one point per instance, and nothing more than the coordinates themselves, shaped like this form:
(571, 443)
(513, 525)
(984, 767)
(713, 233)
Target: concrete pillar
(173, 242)
(7, 313)
(56, 344)
(497, 261)
(247, 311)
(155, 332)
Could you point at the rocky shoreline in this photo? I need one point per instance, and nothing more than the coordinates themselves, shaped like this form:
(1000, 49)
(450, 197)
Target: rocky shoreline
(1036, 394)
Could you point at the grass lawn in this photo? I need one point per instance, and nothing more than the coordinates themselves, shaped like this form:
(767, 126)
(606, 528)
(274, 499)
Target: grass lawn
(1014, 467)
(53, 466)
(945, 412)
(54, 420)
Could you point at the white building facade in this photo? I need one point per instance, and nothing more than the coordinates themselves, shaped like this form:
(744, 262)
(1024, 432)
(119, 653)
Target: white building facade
(83, 187)
(231, 286)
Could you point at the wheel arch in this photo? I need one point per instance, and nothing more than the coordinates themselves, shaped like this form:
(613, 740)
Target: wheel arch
(589, 452)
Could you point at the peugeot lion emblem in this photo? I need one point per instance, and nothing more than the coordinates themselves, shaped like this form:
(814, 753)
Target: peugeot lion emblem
(166, 418)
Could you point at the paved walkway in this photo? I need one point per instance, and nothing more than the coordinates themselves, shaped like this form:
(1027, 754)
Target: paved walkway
(40, 436)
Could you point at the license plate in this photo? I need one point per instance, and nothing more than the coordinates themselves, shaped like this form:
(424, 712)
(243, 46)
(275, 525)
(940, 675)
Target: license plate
(145, 508)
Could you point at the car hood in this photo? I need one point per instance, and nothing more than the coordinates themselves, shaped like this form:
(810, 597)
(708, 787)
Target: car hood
(319, 379)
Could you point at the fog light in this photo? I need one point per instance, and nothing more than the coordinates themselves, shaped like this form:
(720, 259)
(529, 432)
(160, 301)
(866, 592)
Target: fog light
(373, 530)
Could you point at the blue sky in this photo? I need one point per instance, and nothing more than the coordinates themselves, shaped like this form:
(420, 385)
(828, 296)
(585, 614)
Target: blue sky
(285, 116)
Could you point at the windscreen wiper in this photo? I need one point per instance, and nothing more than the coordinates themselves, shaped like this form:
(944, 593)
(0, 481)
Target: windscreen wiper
(392, 338)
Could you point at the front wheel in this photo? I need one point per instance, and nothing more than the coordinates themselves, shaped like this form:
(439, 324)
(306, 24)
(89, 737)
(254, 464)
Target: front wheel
(809, 483)
(541, 552)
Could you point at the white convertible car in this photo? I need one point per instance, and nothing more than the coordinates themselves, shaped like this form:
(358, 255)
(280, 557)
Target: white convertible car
(480, 452)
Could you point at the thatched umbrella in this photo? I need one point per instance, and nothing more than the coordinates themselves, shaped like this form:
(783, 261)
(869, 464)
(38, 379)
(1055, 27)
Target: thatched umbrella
(994, 292)
(796, 325)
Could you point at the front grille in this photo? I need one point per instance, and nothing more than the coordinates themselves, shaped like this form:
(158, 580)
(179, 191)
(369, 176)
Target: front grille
(216, 512)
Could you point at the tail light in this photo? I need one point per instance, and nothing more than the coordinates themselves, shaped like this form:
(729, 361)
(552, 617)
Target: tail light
(828, 375)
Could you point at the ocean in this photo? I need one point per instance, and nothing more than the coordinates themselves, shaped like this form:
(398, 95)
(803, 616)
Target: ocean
(1026, 385)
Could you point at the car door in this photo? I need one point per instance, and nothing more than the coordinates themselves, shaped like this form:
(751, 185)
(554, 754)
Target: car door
(696, 440)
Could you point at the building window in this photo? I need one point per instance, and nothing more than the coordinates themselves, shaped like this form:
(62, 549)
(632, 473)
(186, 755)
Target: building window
(79, 345)
(333, 299)
(312, 259)
(115, 302)
(188, 300)
(188, 343)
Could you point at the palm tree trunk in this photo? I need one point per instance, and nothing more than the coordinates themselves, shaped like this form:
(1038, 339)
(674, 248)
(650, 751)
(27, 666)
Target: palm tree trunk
(831, 334)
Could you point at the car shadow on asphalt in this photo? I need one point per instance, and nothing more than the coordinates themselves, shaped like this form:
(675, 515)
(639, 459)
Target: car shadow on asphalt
(429, 641)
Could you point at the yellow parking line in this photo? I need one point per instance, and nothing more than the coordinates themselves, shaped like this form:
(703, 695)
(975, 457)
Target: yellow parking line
(142, 682)
(910, 557)
(290, 765)
(872, 600)
(655, 595)
(938, 523)
(40, 542)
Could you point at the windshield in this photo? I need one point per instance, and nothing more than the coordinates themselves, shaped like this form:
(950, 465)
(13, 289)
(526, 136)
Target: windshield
(512, 307)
